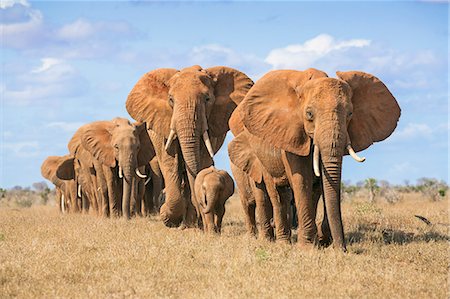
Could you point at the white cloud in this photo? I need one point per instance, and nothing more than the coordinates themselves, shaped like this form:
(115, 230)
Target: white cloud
(80, 29)
(10, 3)
(302, 56)
(22, 149)
(419, 130)
(52, 78)
(47, 63)
(22, 32)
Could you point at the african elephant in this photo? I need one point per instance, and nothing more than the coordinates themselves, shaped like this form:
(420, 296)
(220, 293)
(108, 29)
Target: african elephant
(66, 194)
(118, 148)
(213, 187)
(182, 107)
(315, 121)
(268, 190)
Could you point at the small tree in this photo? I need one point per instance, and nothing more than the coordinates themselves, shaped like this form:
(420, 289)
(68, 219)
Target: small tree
(371, 185)
(432, 188)
(40, 186)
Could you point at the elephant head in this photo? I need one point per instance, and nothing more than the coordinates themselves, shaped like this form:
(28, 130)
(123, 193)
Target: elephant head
(189, 104)
(299, 110)
(119, 143)
(51, 170)
(213, 188)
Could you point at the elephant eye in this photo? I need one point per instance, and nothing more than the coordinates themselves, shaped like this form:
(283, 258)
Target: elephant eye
(116, 146)
(171, 101)
(350, 114)
(309, 115)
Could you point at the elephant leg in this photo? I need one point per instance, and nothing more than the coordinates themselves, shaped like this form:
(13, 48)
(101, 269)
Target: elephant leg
(111, 196)
(140, 197)
(279, 204)
(59, 199)
(135, 200)
(96, 193)
(101, 192)
(250, 215)
(220, 211)
(173, 209)
(245, 189)
(323, 230)
(156, 184)
(300, 175)
(190, 218)
(158, 187)
(264, 212)
(148, 206)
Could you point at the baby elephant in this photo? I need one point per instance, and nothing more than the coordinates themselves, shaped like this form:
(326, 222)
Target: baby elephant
(212, 188)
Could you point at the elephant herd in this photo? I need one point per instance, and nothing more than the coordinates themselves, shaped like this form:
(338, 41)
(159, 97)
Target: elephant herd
(291, 130)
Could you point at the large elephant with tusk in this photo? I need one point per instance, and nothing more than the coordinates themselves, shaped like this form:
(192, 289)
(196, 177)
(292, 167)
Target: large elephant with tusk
(187, 114)
(315, 120)
(109, 154)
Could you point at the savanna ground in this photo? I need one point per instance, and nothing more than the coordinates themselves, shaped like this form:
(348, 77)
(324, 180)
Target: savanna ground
(392, 254)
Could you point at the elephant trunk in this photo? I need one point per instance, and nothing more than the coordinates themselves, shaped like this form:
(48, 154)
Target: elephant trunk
(128, 180)
(210, 200)
(189, 133)
(331, 143)
(331, 173)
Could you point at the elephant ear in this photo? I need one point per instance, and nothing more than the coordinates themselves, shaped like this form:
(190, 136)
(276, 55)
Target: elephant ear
(235, 123)
(148, 100)
(272, 109)
(230, 88)
(146, 150)
(97, 140)
(65, 169)
(375, 110)
(217, 142)
(228, 182)
(242, 156)
(49, 167)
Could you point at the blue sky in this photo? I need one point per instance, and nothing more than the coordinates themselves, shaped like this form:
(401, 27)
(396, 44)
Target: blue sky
(68, 63)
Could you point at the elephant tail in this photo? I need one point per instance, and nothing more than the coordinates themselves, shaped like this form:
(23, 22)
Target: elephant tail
(209, 203)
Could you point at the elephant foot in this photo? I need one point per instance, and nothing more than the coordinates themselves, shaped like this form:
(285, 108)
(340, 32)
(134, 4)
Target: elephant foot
(251, 232)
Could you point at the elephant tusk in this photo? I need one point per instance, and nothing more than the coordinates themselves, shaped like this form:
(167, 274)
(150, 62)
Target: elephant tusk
(139, 174)
(120, 172)
(354, 155)
(172, 136)
(79, 191)
(63, 206)
(208, 144)
(147, 180)
(316, 161)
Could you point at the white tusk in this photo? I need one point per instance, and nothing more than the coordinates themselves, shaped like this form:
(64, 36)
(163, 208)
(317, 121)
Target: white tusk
(172, 136)
(208, 144)
(148, 180)
(139, 174)
(316, 160)
(79, 191)
(63, 206)
(120, 172)
(354, 155)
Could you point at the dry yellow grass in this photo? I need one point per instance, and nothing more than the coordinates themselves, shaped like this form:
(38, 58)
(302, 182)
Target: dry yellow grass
(44, 254)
